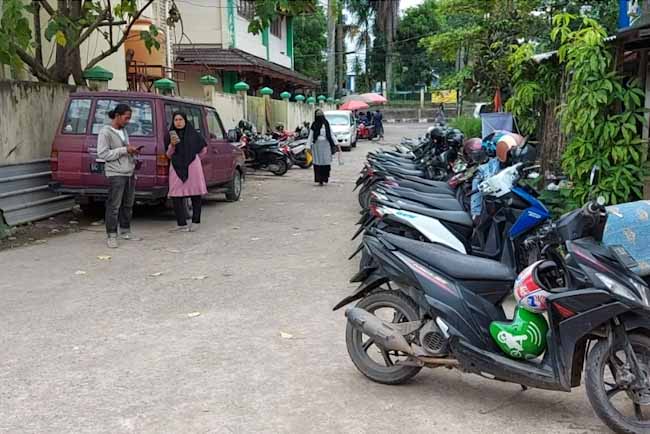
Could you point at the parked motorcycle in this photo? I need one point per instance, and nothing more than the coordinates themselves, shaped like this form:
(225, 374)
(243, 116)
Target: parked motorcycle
(443, 308)
(262, 153)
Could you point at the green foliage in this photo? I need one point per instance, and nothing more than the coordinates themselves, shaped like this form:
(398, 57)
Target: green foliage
(559, 202)
(470, 126)
(599, 132)
(414, 66)
(267, 10)
(15, 32)
(310, 43)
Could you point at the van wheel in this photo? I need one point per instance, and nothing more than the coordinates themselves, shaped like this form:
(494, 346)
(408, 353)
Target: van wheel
(233, 192)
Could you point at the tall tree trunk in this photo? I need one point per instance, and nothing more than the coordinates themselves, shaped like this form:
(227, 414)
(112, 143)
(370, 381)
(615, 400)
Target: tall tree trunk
(68, 60)
(390, 22)
(38, 50)
(367, 61)
(340, 53)
(331, 44)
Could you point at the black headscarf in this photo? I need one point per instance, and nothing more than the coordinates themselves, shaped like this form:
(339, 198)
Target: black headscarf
(319, 121)
(190, 145)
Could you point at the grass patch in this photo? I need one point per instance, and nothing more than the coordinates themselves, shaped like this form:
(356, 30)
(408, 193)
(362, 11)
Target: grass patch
(470, 126)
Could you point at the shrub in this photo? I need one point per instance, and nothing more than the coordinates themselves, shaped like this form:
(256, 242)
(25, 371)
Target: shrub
(470, 126)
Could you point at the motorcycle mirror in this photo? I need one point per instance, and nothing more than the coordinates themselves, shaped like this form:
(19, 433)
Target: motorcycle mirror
(233, 136)
(593, 176)
(600, 200)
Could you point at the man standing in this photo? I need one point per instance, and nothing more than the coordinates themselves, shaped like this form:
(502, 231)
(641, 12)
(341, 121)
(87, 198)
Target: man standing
(113, 147)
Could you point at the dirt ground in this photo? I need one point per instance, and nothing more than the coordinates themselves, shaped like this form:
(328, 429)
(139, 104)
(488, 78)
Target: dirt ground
(227, 330)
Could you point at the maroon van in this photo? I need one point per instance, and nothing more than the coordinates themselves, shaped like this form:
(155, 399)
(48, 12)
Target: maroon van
(76, 169)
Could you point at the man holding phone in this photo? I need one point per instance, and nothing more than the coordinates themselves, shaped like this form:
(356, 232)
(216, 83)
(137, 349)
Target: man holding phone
(113, 147)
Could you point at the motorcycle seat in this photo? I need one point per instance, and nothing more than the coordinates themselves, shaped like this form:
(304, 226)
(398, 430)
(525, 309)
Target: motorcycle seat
(398, 171)
(440, 185)
(436, 201)
(388, 164)
(457, 217)
(450, 262)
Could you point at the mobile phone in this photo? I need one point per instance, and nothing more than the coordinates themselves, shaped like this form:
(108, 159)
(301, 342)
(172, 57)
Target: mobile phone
(141, 147)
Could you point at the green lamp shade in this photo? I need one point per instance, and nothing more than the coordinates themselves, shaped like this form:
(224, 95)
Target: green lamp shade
(522, 338)
(337, 101)
(266, 91)
(164, 84)
(311, 100)
(97, 73)
(285, 95)
(241, 86)
(299, 98)
(330, 99)
(208, 80)
(321, 98)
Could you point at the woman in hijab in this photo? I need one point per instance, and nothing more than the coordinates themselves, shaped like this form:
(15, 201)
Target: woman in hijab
(185, 147)
(322, 147)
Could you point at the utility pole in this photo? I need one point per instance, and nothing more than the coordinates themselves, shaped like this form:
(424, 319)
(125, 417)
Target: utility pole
(331, 44)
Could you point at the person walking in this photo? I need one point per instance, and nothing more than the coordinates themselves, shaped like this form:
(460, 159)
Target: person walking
(322, 147)
(185, 147)
(119, 156)
(379, 124)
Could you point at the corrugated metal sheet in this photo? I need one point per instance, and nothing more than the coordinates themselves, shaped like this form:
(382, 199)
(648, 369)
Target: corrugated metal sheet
(25, 196)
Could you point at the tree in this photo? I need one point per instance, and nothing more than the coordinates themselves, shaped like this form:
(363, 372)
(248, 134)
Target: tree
(416, 67)
(267, 10)
(363, 15)
(386, 18)
(69, 24)
(310, 43)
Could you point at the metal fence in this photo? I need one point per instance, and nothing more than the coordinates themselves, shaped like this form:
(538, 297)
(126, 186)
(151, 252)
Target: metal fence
(25, 195)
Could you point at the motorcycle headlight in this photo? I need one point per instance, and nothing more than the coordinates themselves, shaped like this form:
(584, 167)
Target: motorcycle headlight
(622, 291)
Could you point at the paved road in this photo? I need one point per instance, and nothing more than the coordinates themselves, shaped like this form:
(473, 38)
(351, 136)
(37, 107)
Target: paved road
(119, 349)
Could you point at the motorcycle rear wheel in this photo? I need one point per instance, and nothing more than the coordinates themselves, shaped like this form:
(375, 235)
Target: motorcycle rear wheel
(359, 345)
(283, 166)
(613, 403)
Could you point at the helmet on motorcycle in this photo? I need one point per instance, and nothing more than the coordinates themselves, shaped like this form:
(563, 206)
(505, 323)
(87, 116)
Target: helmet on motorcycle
(522, 338)
(506, 143)
(532, 285)
(279, 126)
(455, 138)
(437, 133)
(473, 150)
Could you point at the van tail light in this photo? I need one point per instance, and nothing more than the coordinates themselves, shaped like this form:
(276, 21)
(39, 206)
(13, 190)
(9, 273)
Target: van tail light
(162, 165)
(54, 161)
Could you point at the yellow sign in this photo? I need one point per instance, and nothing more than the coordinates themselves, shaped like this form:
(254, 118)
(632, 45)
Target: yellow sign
(444, 96)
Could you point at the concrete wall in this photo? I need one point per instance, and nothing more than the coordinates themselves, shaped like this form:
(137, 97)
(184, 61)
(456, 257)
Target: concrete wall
(230, 109)
(204, 21)
(248, 42)
(29, 116)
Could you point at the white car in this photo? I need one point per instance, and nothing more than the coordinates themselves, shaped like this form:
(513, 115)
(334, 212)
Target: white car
(344, 128)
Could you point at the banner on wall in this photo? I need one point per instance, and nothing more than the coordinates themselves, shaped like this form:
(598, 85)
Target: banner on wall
(444, 97)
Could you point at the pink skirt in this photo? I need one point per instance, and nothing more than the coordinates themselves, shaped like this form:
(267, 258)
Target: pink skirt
(195, 184)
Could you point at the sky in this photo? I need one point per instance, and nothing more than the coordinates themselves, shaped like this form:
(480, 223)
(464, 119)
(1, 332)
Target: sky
(405, 4)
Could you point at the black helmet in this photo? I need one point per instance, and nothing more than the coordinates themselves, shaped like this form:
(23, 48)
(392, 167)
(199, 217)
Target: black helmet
(455, 138)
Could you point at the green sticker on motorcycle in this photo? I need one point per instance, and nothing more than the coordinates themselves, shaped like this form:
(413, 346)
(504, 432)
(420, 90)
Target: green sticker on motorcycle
(522, 338)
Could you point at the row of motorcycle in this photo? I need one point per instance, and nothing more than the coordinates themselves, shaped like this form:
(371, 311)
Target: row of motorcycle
(450, 228)
(276, 152)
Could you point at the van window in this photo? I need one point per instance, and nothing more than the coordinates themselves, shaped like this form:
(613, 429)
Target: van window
(338, 119)
(76, 118)
(214, 125)
(193, 114)
(141, 117)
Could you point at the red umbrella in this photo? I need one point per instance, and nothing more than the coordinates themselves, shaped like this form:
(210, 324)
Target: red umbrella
(373, 98)
(354, 105)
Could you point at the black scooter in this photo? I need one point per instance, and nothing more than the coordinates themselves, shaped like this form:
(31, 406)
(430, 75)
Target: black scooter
(263, 154)
(443, 303)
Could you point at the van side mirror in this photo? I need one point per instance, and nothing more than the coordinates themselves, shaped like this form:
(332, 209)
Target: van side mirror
(593, 176)
(233, 136)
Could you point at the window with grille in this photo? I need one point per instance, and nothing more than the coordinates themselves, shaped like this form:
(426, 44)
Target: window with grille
(276, 27)
(246, 9)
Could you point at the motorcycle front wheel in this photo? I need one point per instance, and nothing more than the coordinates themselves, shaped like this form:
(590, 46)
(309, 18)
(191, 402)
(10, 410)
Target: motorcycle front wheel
(612, 386)
(374, 362)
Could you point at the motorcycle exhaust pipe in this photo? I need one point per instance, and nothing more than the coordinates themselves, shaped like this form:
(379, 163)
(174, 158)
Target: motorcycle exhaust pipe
(386, 335)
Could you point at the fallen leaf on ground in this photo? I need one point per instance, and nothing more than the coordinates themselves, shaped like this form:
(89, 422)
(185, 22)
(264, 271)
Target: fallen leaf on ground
(173, 250)
(255, 239)
(156, 274)
(202, 277)
(103, 257)
(236, 228)
(284, 335)
(193, 314)
(80, 272)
